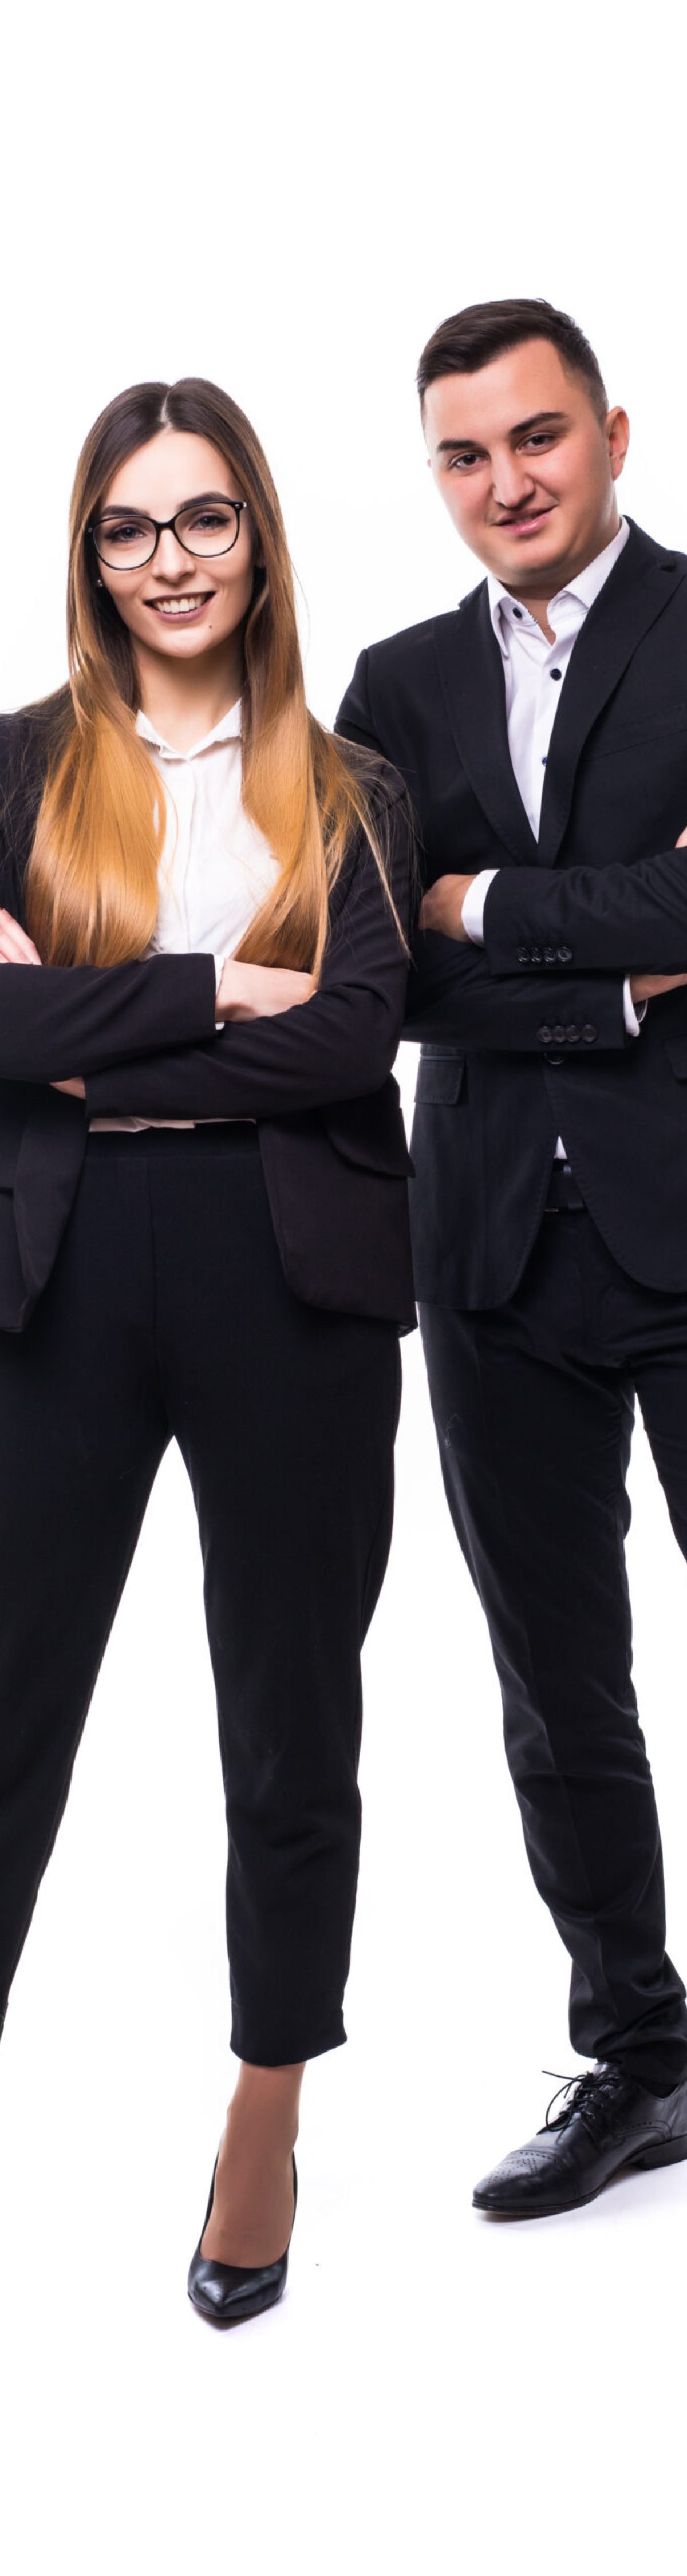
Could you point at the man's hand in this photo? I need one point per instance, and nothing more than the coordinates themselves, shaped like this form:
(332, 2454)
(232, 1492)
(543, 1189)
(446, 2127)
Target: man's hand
(644, 988)
(16, 949)
(442, 908)
(74, 1085)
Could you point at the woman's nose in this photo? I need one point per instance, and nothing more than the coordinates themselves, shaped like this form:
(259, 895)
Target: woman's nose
(170, 559)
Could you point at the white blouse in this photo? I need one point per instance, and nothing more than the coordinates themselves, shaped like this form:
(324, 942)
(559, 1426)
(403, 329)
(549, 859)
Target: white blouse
(216, 867)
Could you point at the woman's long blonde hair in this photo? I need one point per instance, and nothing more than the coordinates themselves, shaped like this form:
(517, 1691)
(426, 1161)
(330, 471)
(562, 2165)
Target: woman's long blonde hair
(92, 882)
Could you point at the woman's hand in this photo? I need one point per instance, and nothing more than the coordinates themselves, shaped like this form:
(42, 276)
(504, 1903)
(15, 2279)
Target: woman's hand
(260, 992)
(16, 948)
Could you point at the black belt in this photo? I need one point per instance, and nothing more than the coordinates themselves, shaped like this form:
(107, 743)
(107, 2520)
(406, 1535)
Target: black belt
(563, 1190)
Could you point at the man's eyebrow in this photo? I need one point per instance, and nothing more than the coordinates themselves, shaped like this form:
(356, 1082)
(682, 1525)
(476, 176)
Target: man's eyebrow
(538, 420)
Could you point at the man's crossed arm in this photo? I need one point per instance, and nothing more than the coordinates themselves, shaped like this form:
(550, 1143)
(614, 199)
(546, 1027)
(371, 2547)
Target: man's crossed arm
(628, 920)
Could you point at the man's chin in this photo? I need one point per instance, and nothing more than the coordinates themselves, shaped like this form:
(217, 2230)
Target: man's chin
(525, 555)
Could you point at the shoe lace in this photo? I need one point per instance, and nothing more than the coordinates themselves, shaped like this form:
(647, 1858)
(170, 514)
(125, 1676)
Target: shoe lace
(588, 2097)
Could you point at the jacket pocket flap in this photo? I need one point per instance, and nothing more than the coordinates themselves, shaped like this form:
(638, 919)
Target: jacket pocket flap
(371, 1132)
(440, 1079)
(11, 1132)
(676, 1051)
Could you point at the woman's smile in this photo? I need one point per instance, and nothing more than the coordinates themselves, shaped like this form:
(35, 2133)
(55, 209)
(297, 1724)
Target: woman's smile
(184, 608)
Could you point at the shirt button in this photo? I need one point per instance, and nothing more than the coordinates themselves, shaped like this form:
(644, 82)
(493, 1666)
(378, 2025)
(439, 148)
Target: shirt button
(518, 612)
(589, 1033)
(556, 675)
(565, 957)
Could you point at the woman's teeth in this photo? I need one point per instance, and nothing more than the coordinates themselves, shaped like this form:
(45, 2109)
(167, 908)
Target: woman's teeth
(179, 607)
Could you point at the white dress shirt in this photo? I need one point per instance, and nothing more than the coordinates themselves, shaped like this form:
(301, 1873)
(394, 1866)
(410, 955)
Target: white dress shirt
(216, 867)
(534, 673)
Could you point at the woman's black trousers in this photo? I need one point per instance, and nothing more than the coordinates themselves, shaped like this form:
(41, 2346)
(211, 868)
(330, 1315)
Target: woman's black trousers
(168, 1317)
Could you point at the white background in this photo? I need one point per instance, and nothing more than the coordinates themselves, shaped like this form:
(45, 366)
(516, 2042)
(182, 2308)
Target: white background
(288, 201)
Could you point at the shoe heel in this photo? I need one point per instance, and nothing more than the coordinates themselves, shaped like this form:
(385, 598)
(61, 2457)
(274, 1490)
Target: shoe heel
(671, 2152)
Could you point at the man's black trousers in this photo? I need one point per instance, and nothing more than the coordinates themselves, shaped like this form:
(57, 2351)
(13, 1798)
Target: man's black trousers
(533, 1404)
(168, 1316)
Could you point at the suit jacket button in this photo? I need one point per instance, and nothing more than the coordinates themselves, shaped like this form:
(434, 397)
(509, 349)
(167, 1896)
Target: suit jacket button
(545, 1035)
(589, 1033)
(536, 956)
(572, 1034)
(565, 957)
(523, 956)
(550, 957)
(559, 1036)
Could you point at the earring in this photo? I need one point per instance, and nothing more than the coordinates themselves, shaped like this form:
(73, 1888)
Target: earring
(100, 585)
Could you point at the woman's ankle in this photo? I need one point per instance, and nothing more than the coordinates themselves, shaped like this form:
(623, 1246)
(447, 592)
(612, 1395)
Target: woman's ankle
(265, 2105)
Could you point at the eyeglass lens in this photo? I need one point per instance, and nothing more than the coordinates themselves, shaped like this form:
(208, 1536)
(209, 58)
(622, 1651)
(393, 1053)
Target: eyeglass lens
(126, 542)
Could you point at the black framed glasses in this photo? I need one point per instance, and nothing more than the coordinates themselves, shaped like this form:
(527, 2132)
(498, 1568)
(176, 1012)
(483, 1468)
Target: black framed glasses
(126, 539)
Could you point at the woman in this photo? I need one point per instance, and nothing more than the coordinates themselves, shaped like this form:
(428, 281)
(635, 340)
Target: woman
(203, 1223)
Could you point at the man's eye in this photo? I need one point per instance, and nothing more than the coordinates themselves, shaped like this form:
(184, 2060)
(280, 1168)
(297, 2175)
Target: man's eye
(468, 457)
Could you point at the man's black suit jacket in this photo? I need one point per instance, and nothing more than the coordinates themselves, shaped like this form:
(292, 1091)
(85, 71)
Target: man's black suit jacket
(317, 1079)
(525, 1040)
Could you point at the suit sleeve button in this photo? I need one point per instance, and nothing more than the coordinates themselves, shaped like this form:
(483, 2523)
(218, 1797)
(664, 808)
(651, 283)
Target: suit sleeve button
(545, 1035)
(565, 957)
(559, 1036)
(589, 1033)
(523, 956)
(572, 1034)
(551, 957)
(536, 956)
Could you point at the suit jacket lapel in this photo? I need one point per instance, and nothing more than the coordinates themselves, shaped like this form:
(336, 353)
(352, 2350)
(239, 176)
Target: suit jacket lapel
(637, 589)
(472, 682)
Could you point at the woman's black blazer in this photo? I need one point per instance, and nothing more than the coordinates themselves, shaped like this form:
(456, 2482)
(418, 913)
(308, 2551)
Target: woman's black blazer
(317, 1079)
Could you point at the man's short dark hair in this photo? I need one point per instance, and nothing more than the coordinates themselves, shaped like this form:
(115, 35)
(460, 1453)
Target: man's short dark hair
(471, 339)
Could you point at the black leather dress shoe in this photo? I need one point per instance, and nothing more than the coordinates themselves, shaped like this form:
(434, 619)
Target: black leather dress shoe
(607, 2124)
(227, 2293)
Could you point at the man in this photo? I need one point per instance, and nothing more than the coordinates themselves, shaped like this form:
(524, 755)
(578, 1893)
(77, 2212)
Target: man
(542, 731)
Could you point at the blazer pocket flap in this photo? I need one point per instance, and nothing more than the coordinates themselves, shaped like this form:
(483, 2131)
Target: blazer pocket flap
(676, 1051)
(371, 1132)
(11, 1133)
(440, 1080)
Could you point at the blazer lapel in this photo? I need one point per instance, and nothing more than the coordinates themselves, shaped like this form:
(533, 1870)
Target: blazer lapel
(472, 682)
(642, 581)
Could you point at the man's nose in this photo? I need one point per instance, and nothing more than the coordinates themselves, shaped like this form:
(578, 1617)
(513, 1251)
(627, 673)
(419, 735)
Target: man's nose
(513, 480)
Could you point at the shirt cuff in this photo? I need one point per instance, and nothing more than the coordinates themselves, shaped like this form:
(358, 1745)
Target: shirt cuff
(472, 910)
(633, 1018)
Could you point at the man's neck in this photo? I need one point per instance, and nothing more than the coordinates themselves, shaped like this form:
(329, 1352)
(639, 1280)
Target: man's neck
(559, 577)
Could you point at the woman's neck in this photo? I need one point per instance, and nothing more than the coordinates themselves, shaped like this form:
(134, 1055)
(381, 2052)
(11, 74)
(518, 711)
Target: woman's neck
(185, 700)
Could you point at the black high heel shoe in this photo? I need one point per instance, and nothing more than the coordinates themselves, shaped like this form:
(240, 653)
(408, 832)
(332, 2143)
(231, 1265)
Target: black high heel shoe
(227, 2293)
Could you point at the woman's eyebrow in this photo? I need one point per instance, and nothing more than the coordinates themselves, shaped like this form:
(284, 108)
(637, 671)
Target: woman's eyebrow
(114, 509)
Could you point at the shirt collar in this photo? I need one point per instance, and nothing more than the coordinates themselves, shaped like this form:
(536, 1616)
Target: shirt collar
(585, 587)
(228, 730)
